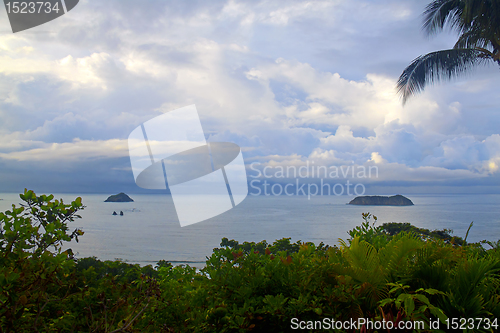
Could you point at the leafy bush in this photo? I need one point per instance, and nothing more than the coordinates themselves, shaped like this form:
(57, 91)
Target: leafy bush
(394, 228)
(32, 278)
(45, 288)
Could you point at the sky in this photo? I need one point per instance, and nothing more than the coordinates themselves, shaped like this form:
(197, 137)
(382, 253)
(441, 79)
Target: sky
(290, 82)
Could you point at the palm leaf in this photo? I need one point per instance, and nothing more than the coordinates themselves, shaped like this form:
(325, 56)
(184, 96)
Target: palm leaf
(437, 66)
(438, 13)
(362, 258)
(474, 284)
(470, 275)
(397, 254)
(362, 263)
(461, 15)
(474, 38)
(477, 22)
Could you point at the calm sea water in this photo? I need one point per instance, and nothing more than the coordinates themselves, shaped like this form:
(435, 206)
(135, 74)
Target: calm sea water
(149, 230)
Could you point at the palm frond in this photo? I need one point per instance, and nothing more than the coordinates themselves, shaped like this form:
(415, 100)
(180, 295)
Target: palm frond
(461, 15)
(483, 12)
(475, 37)
(362, 254)
(440, 12)
(472, 286)
(397, 253)
(437, 66)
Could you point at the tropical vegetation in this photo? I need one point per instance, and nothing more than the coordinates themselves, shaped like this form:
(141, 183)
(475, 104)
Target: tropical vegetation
(392, 273)
(478, 25)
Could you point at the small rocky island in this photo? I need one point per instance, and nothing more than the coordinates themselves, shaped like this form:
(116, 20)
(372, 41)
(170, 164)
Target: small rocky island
(376, 200)
(120, 197)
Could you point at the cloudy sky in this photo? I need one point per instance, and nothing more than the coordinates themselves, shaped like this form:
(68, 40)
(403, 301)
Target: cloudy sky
(288, 81)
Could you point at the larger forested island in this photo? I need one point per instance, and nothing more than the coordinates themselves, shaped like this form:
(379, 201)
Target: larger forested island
(376, 200)
(120, 197)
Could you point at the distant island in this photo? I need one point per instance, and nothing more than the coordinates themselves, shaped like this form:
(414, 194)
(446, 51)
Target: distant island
(120, 197)
(376, 200)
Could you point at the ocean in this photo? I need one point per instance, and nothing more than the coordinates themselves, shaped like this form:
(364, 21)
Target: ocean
(149, 230)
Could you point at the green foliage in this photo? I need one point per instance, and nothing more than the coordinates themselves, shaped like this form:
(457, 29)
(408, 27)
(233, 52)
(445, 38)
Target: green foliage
(394, 228)
(43, 288)
(389, 272)
(410, 305)
(283, 244)
(368, 232)
(32, 278)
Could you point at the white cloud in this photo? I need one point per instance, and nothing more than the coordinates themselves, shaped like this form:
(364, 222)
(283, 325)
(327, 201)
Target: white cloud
(76, 151)
(376, 158)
